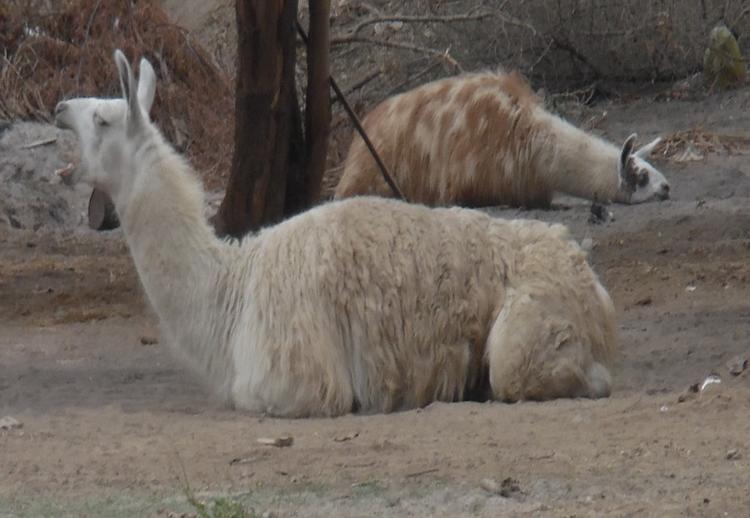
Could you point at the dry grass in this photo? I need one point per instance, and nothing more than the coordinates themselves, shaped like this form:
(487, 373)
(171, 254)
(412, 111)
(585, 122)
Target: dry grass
(66, 51)
(694, 144)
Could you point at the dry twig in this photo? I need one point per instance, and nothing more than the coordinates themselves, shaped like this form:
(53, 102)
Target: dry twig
(418, 19)
(445, 54)
(362, 82)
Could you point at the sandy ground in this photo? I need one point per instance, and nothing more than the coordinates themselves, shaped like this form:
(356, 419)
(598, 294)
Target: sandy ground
(115, 427)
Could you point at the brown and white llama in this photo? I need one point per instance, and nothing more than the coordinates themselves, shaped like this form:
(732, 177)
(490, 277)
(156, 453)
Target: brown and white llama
(483, 139)
(366, 304)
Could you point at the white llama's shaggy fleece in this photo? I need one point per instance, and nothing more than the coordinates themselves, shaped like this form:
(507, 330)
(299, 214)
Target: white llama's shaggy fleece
(367, 304)
(370, 303)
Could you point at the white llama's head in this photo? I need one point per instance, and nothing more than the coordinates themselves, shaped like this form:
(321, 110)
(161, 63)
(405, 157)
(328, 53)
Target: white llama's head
(639, 180)
(111, 131)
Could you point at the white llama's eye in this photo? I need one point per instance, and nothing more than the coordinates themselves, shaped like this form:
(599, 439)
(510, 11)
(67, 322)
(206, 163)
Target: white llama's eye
(99, 121)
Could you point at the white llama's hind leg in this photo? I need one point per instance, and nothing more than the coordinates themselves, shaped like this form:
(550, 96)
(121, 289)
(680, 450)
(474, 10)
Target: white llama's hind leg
(535, 355)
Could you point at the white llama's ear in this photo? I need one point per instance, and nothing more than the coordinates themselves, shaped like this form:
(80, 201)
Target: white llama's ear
(645, 151)
(123, 68)
(129, 88)
(146, 85)
(627, 150)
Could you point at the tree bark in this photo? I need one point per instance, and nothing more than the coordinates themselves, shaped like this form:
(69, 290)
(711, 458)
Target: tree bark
(296, 181)
(265, 93)
(318, 99)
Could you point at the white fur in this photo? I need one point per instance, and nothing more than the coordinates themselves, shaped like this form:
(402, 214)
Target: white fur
(366, 304)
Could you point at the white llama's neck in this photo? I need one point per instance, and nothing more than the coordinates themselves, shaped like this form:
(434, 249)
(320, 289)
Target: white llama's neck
(181, 264)
(576, 162)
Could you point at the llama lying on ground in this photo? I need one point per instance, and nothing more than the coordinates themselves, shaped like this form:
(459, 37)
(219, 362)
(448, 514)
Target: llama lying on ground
(366, 304)
(482, 139)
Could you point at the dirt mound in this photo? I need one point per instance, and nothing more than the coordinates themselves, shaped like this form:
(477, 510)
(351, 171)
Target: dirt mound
(66, 51)
(31, 194)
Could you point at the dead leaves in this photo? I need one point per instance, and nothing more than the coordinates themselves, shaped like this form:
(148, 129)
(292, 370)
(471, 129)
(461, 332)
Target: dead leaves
(695, 144)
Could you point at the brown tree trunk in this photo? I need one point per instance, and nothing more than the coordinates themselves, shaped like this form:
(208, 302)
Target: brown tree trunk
(296, 180)
(256, 188)
(318, 112)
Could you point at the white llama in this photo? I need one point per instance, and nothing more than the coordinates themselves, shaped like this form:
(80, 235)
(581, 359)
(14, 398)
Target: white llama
(367, 304)
(483, 139)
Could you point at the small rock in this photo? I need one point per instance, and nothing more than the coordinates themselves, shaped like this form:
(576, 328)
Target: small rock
(688, 394)
(600, 214)
(243, 460)
(710, 380)
(346, 437)
(733, 454)
(489, 485)
(149, 340)
(279, 442)
(507, 488)
(65, 174)
(10, 423)
(737, 365)
(645, 301)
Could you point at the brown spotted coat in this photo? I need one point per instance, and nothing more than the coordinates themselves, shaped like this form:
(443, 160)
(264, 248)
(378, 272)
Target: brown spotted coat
(476, 140)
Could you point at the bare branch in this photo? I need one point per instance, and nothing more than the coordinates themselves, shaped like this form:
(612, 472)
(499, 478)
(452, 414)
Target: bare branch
(85, 41)
(445, 55)
(564, 45)
(419, 19)
(362, 82)
(510, 20)
(541, 57)
(742, 14)
(418, 75)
